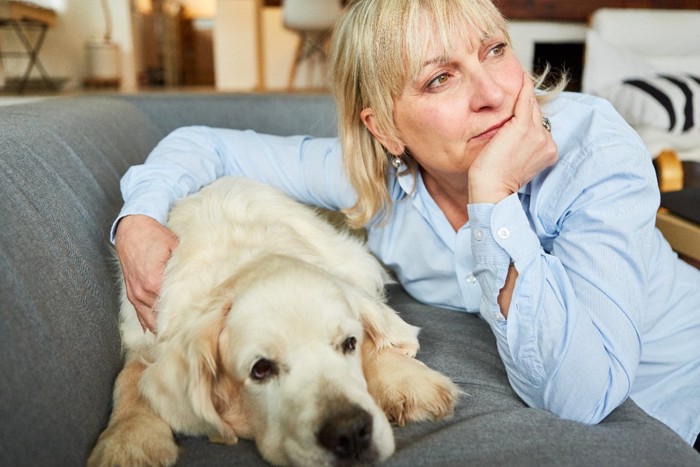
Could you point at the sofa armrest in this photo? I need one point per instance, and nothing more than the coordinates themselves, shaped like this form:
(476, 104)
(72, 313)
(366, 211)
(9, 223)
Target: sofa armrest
(669, 171)
(675, 217)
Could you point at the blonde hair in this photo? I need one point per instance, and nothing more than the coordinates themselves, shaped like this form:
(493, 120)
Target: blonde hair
(377, 46)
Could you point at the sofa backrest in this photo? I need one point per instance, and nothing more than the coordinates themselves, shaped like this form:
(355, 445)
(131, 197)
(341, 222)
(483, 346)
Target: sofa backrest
(276, 114)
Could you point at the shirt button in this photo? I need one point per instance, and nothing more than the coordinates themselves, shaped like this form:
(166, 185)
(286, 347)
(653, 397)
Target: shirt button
(478, 235)
(503, 233)
(471, 279)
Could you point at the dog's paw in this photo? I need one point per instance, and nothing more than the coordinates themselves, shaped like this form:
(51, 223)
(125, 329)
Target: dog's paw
(412, 392)
(135, 441)
(430, 396)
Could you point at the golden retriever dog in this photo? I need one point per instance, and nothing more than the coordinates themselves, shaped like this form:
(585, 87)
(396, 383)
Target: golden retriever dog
(272, 326)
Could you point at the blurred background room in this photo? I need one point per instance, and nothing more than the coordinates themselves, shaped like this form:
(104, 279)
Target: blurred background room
(70, 46)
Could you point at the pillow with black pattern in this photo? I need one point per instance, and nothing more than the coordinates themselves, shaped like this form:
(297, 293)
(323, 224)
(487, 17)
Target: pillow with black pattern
(666, 101)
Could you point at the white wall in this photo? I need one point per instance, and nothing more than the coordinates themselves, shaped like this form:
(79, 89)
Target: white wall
(64, 52)
(234, 38)
(235, 48)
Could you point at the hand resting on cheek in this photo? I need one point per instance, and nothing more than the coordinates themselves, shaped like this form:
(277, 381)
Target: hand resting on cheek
(520, 150)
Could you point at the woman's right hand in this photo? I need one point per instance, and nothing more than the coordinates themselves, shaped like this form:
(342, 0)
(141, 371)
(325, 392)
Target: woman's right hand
(143, 246)
(519, 151)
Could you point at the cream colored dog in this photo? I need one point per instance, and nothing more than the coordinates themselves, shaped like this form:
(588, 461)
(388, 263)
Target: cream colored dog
(271, 326)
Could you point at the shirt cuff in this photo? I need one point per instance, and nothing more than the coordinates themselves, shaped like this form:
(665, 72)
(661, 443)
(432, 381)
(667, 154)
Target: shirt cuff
(155, 205)
(502, 231)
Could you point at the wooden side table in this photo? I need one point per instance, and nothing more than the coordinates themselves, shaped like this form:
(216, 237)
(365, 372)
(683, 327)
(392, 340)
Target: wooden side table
(23, 18)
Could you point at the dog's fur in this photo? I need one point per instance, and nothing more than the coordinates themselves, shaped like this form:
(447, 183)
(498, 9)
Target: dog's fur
(271, 326)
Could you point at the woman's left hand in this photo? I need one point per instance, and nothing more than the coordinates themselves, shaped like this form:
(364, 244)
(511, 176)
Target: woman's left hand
(519, 151)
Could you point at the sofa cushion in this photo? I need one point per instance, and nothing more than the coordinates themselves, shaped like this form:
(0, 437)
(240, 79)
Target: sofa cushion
(491, 425)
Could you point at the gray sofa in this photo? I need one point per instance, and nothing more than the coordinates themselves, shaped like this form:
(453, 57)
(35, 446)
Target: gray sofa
(60, 164)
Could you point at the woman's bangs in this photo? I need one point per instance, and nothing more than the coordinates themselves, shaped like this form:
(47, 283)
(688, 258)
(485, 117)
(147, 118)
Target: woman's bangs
(437, 25)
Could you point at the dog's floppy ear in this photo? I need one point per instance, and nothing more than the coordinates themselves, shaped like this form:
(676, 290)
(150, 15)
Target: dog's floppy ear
(186, 383)
(209, 389)
(382, 325)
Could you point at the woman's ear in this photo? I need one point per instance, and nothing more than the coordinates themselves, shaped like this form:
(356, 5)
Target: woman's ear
(370, 120)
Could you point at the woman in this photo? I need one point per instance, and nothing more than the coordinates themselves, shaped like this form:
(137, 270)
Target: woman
(542, 224)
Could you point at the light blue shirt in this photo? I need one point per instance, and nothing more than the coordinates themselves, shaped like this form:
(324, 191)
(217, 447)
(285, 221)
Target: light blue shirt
(602, 308)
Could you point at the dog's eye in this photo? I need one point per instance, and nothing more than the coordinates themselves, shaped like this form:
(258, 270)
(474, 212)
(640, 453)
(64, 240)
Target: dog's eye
(349, 344)
(263, 369)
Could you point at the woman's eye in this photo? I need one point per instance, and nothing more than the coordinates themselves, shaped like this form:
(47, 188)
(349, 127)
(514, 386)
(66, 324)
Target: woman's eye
(438, 81)
(263, 369)
(498, 49)
(349, 344)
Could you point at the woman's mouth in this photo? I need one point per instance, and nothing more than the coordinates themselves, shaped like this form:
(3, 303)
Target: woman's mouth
(492, 130)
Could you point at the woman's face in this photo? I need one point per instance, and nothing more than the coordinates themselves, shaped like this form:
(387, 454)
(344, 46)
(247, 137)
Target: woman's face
(456, 105)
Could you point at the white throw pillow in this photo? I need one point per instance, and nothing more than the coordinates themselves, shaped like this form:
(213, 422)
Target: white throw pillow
(666, 101)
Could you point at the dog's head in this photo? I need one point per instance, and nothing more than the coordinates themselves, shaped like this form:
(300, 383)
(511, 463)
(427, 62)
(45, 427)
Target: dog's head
(277, 357)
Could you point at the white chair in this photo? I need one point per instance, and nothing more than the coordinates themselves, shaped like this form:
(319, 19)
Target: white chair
(313, 20)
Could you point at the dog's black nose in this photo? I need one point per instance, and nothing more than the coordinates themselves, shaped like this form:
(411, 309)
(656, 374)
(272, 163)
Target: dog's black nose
(348, 433)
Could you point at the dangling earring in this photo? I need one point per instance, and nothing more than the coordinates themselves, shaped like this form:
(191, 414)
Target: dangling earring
(397, 162)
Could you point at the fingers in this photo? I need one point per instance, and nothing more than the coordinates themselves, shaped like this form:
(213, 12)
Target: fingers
(144, 246)
(144, 303)
(147, 318)
(526, 99)
(146, 312)
(527, 106)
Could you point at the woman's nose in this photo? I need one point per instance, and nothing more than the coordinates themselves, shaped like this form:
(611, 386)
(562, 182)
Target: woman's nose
(486, 92)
